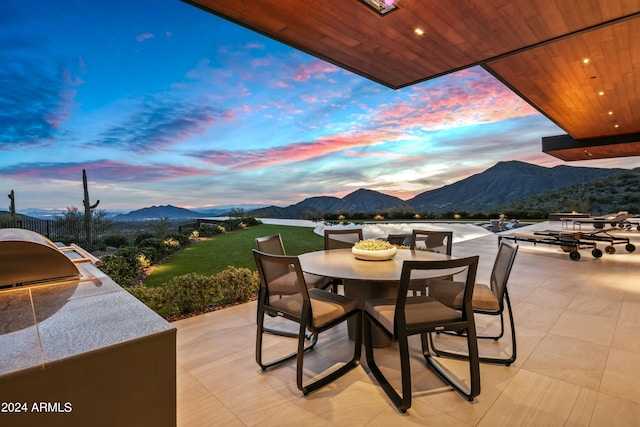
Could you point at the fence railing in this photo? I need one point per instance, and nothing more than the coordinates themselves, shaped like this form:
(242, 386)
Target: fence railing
(60, 231)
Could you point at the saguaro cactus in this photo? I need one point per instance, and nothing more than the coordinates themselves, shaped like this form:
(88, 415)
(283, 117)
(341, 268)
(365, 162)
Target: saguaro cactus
(88, 208)
(12, 207)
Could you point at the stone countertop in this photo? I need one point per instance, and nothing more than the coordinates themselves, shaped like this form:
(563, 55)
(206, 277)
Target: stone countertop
(44, 324)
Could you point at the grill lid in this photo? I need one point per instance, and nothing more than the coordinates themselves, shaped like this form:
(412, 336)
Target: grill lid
(28, 258)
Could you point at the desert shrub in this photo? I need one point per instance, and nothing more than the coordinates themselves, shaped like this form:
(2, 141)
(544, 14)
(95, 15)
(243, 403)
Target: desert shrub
(192, 292)
(182, 238)
(142, 236)
(153, 297)
(125, 266)
(157, 249)
(116, 241)
(250, 221)
(237, 284)
(118, 269)
(151, 253)
(208, 230)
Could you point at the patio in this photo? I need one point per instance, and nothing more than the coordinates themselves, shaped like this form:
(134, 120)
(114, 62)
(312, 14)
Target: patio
(578, 328)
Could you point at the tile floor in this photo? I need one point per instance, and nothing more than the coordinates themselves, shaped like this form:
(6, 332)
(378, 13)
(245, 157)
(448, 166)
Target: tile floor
(578, 336)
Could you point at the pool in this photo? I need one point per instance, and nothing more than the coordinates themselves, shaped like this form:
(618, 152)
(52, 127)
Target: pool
(461, 231)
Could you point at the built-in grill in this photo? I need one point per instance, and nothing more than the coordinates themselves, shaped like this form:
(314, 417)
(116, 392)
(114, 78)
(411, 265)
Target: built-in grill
(28, 258)
(71, 336)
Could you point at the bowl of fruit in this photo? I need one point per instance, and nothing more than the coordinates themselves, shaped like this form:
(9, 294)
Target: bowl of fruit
(374, 250)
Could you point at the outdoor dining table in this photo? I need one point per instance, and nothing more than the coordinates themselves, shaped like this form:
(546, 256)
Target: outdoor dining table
(364, 280)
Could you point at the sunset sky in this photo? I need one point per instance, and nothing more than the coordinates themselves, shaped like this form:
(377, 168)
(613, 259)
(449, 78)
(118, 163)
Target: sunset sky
(163, 103)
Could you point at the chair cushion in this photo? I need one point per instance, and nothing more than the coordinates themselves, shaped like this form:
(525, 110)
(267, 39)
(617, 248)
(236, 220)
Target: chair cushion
(325, 306)
(287, 284)
(451, 293)
(420, 312)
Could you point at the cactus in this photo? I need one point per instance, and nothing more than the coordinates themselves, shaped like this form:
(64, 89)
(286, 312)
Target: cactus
(88, 208)
(12, 207)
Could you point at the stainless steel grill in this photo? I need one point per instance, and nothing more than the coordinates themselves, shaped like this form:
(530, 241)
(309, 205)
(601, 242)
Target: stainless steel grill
(28, 258)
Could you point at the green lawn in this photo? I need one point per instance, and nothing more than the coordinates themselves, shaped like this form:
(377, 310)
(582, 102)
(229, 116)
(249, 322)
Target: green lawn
(211, 256)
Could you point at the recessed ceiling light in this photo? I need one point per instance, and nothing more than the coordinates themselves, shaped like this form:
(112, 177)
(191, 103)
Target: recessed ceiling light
(418, 32)
(381, 6)
(585, 61)
(616, 126)
(611, 113)
(601, 93)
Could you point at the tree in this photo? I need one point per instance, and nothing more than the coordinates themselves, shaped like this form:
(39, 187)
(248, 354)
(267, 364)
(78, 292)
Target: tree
(237, 213)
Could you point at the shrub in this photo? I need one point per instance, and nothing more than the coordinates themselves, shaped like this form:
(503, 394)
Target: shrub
(192, 292)
(157, 249)
(153, 297)
(125, 266)
(116, 241)
(208, 230)
(182, 238)
(237, 284)
(142, 236)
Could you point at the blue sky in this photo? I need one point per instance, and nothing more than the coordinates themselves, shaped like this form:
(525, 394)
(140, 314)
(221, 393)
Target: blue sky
(163, 103)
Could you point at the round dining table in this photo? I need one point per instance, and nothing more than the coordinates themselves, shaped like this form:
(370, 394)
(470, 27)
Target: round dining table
(365, 280)
(342, 264)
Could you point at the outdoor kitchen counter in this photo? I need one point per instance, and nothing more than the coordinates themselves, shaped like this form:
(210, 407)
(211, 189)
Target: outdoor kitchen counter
(84, 352)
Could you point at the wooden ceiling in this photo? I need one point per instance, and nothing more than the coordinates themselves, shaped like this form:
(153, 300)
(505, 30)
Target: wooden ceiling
(535, 47)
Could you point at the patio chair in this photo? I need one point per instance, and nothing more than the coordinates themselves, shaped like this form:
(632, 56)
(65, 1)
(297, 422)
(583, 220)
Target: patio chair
(341, 239)
(273, 245)
(314, 310)
(487, 299)
(397, 239)
(433, 241)
(406, 315)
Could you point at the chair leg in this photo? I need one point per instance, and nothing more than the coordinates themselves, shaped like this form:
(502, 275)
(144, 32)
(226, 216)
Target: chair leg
(354, 362)
(483, 359)
(474, 366)
(402, 402)
(261, 330)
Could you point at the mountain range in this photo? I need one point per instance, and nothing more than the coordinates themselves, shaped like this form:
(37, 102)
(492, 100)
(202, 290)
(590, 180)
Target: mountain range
(504, 183)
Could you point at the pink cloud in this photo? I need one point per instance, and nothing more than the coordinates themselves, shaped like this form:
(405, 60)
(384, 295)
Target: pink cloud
(297, 152)
(477, 98)
(315, 69)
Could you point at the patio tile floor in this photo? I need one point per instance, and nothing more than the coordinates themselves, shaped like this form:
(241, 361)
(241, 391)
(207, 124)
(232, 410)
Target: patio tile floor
(577, 325)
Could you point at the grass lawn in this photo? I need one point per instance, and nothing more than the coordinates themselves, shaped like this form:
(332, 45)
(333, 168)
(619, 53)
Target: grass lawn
(213, 255)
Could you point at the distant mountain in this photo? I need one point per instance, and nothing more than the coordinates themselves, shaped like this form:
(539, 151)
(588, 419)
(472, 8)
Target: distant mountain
(223, 210)
(500, 187)
(42, 213)
(157, 212)
(361, 200)
(613, 193)
(503, 183)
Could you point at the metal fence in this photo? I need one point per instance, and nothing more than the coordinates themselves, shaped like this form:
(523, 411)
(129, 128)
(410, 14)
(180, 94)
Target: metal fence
(60, 231)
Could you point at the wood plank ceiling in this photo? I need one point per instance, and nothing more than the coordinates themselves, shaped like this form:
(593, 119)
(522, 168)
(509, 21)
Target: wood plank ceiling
(536, 47)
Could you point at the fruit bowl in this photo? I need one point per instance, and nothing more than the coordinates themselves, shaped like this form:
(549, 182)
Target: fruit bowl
(374, 255)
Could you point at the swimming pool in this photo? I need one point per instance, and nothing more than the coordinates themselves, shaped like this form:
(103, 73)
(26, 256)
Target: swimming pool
(461, 231)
